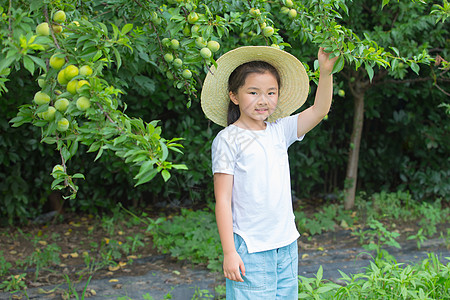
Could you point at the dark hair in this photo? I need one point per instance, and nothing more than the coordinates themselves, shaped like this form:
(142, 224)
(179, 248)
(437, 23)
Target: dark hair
(237, 80)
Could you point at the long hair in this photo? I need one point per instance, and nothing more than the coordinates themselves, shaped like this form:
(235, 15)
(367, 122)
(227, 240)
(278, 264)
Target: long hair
(237, 80)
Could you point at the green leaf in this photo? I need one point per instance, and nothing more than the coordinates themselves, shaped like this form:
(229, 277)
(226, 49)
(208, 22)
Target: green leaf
(165, 174)
(28, 64)
(339, 65)
(126, 28)
(415, 67)
(39, 61)
(78, 175)
(369, 70)
(147, 177)
(118, 58)
(385, 2)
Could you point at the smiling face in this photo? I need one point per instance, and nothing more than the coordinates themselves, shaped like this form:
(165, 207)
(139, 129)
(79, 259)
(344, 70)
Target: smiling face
(257, 100)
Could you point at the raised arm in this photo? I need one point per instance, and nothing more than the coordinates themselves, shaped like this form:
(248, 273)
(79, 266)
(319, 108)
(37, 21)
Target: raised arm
(312, 116)
(232, 262)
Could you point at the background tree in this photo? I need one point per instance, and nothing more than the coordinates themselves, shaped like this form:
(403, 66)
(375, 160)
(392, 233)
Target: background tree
(148, 60)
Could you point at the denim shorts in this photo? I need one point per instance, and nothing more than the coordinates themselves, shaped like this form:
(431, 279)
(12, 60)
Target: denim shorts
(269, 274)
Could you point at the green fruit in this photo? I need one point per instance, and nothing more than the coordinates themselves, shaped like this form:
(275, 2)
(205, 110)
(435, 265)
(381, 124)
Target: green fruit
(72, 86)
(58, 168)
(86, 70)
(56, 62)
(166, 42)
(200, 42)
(177, 62)
(263, 25)
(41, 98)
(70, 72)
(284, 10)
(205, 53)
(59, 16)
(41, 82)
(61, 79)
(195, 29)
(83, 103)
(341, 93)
(213, 46)
(49, 115)
(81, 83)
(255, 11)
(174, 44)
(57, 28)
(192, 17)
(43, 29)
(169, 75)
(62, 104)
(268, 31)
(186, 74)
(292, 13)
(62, 125)
(168, 57)
(289, 3)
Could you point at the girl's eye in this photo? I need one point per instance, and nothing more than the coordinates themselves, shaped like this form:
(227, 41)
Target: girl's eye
(252, 93)
(272, 93)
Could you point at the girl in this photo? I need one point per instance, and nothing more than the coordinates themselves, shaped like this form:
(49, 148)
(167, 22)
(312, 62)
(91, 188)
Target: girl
(252, 92)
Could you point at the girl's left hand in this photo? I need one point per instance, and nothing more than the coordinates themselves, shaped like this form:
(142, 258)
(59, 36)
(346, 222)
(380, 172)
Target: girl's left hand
(325, 63)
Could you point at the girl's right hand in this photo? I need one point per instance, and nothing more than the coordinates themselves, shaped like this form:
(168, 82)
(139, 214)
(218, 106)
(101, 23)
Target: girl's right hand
(232, 264)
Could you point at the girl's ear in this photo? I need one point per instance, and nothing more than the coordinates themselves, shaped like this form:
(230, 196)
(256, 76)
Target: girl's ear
(233, 98)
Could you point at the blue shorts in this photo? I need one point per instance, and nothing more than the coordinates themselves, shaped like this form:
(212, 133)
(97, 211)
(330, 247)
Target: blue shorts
(269, 274)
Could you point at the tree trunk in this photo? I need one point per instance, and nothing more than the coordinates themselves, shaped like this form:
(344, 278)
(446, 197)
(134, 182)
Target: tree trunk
(357, 89)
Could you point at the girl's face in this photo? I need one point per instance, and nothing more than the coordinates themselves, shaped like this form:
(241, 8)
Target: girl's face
(257, 99)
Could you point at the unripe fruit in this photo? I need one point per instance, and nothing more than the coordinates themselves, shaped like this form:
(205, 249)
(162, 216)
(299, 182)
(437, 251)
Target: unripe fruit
(168, 57)
(56, 62)
(341, 93)
(62, 125)
(177, 62)
(186, 74)
(187, 30)
(83, 103)
(70, 72)
(175, 44)
(49, 115)
(263, 25)
(166, 42)
(81, 83)
(43, 29)
(289, 3)
(200, 42)
(284, 10)
(57, 28)
(86, 70)
(58, 167)
(72, 86)
(192, 17)
(59, 16)
(195, 29)
(41, 98)
(205, 53)
(41, 82)
(268, 31)
(255, 12)
(169, 75)
(62, 104)
(61, 78)
(213, 46)
(292, 13)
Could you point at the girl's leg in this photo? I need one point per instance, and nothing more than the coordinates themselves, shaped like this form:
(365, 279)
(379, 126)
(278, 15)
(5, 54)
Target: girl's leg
(287, 272)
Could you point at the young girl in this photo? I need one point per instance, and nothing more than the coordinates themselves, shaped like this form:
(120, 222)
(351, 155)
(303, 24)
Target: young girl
(252, 93)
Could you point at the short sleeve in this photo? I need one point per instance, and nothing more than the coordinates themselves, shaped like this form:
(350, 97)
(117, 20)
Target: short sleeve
(223, 155)
(288, 126)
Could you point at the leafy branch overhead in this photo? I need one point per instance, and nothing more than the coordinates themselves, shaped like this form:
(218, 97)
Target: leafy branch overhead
(72, 51)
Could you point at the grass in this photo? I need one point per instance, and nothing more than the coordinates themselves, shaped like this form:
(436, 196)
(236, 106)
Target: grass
(114, 241)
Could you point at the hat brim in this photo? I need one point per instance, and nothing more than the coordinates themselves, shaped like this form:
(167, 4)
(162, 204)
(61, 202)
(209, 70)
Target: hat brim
(294, 81)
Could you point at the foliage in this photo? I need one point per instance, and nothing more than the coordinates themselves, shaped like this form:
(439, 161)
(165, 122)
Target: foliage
(193, 236)
(428, 279)
(133, 86)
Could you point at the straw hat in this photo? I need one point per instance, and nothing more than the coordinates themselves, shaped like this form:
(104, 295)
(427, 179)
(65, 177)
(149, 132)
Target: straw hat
(294, 81)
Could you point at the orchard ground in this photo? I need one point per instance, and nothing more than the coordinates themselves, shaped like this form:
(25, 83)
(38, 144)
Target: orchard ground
(147, 271)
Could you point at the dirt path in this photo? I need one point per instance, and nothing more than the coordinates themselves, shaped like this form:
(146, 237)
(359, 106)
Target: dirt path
(165, 276)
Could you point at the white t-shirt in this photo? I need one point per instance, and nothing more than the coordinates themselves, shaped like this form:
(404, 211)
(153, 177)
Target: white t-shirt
(261, 198)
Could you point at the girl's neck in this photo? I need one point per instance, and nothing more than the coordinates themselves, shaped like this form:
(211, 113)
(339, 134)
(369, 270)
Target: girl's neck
(255, 126)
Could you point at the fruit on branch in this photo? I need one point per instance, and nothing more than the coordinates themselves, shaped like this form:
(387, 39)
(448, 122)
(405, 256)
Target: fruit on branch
(49, 115)
(43, 29)
(62, 125)
(186, 74)
(83, 103)
(72, 86)
(213, 46)
(59, 16)
(56, 62)
(70, 72)
(41, 98)
(62, 104)
(86, 70)
(205, 53)
(268, 31)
